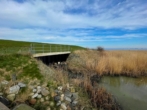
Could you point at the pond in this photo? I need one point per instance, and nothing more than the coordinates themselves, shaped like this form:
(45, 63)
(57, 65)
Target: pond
(130, 93)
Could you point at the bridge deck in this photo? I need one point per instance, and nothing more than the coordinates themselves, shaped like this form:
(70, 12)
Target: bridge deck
(50, 54)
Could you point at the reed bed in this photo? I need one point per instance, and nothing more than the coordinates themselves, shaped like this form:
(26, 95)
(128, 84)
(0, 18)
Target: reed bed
(129, 63)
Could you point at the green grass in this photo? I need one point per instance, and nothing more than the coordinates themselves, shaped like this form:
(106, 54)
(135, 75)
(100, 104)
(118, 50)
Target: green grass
(32, 71)
(9, 46)
(13, 61)
(21, 65)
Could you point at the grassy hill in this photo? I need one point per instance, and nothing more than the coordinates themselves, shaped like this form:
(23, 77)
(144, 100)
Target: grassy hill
(9, 46)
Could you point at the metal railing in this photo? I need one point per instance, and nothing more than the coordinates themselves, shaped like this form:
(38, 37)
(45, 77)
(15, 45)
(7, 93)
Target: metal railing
(46, 48)
(35, 48)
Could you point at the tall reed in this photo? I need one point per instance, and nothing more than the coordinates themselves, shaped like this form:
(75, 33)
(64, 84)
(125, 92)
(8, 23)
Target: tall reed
(129, 63)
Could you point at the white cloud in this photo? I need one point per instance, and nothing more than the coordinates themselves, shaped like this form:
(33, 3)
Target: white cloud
(64, 21)
(51, 14)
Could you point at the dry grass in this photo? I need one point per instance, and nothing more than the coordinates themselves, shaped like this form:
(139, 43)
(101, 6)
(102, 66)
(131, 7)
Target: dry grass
(83, 60)
(22, 97)
(60, 77)
(130, 63)
(99, 97)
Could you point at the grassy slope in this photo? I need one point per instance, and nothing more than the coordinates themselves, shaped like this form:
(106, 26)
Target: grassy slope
(22, 44)
(21, 65)
(27, 70)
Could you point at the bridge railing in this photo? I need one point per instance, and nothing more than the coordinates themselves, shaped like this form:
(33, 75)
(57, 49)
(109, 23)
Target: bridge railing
(46, 48)
(35, 48)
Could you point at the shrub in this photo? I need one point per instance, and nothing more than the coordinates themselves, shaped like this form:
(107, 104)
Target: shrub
(100, 49)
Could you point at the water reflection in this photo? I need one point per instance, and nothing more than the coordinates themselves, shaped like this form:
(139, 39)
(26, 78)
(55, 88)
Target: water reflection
(116, 81)
(131, 93)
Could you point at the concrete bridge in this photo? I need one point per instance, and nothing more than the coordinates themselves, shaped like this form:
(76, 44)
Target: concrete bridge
(50, 53)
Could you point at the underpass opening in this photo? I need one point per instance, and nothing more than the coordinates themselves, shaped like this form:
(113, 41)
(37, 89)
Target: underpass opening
(51, 59)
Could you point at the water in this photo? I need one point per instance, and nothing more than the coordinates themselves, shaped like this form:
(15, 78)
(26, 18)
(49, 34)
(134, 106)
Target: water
(130, 93)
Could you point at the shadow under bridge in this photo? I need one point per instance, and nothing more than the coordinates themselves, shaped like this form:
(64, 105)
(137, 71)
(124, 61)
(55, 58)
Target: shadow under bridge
(50, 54)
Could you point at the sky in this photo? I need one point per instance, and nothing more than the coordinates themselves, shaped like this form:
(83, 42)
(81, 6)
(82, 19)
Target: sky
(87, 23)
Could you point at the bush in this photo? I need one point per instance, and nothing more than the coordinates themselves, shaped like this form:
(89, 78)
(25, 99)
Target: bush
(100, 49)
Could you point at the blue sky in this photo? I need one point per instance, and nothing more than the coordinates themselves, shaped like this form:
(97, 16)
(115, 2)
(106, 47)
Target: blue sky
(88, 23)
